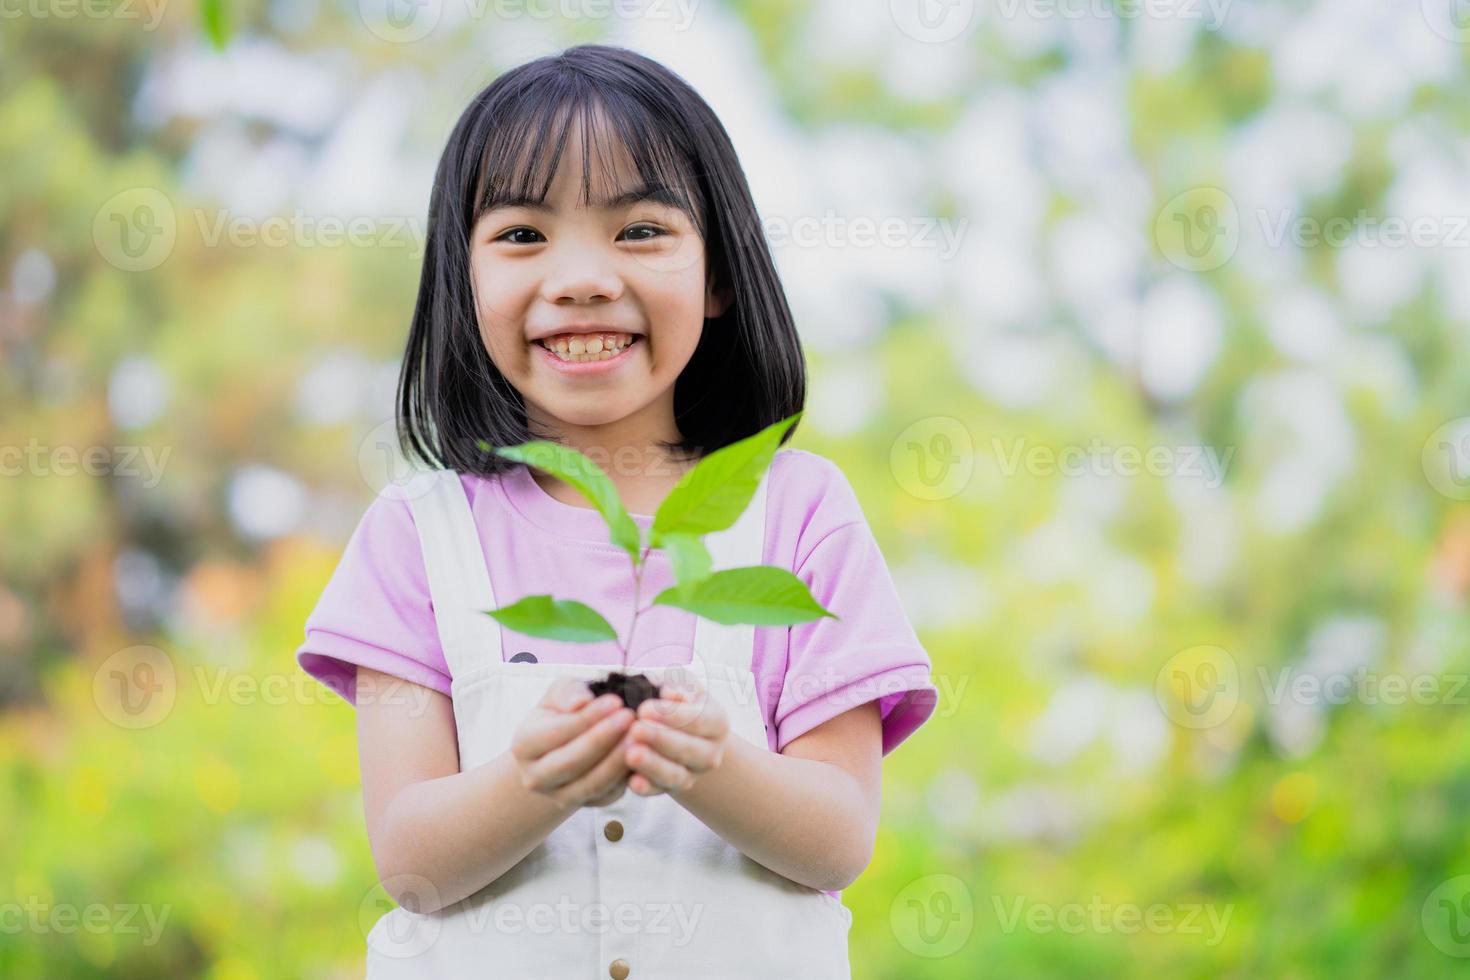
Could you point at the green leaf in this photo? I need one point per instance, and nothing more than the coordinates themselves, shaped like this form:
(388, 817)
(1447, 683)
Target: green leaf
(555, 619)
(212, 16)
(584, 475)
(712, 495)
(762, 595)
(687, 553)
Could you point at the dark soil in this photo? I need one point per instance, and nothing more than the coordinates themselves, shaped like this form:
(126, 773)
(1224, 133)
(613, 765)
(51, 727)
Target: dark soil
(634, 689)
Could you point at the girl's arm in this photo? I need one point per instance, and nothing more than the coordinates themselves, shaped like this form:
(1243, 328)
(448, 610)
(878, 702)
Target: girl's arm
(809, 813)
(438, 834)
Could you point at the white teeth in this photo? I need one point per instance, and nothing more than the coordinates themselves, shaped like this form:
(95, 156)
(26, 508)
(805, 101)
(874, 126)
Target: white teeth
(588, 347)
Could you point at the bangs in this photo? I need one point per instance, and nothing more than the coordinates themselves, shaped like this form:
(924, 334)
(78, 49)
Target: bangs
(618, 134)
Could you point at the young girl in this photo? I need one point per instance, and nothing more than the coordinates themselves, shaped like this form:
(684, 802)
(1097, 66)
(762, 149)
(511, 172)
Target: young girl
(595, 274)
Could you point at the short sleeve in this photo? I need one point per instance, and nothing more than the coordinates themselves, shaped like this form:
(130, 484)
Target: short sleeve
(375, 610)
(870, 652)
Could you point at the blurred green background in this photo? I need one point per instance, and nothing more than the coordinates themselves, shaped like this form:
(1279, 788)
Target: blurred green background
(1140, 330)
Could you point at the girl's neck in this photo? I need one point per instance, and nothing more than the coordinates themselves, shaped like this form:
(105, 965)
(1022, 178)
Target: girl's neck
(628, 451)
(641, 491)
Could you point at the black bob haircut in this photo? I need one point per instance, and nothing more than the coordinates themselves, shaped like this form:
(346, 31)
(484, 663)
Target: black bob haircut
(748, 370)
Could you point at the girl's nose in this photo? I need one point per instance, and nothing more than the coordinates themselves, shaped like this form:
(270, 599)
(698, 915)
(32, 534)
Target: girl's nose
(581, 276)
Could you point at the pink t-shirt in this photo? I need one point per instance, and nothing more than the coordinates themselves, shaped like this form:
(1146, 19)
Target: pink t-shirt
(375, 610)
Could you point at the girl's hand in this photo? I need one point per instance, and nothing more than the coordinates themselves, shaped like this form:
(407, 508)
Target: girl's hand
(566, 746)
(677, 737)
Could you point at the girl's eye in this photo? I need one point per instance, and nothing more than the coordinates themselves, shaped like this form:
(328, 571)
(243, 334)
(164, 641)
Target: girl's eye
(653, 232)
(505, 236)
(656, 232)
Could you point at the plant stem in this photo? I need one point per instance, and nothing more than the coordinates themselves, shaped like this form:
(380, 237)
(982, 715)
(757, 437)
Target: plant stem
(637, 583)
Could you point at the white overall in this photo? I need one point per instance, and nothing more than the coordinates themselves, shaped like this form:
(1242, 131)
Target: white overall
(639, 889)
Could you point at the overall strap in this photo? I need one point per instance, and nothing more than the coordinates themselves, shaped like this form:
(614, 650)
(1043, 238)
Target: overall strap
(459, 582)
(726, 647)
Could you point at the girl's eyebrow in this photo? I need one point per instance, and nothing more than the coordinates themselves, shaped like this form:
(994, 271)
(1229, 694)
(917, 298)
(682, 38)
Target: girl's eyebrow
(648, 192)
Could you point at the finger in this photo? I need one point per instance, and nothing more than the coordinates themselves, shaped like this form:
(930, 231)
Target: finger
(663, 773)
(567, 694)
(639, 784)
(681, 680)
(590, 791)
(693, 752)
(703, 717)
(681, 689)
(603, 784)
(610, 797)
(562, 765)
(555, 729)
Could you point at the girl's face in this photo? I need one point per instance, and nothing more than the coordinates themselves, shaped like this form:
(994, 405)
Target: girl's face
(624, 266)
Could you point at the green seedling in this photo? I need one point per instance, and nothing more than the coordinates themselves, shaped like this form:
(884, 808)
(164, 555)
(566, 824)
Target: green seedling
(708, 498)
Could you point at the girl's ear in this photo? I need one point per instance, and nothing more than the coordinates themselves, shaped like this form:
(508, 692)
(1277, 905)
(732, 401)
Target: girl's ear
(716, 301)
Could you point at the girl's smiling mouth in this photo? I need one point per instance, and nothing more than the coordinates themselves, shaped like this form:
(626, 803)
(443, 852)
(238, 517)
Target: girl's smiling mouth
(587, 353)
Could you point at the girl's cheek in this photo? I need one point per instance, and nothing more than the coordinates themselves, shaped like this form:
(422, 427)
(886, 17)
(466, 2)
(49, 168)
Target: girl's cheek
(503, 304)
